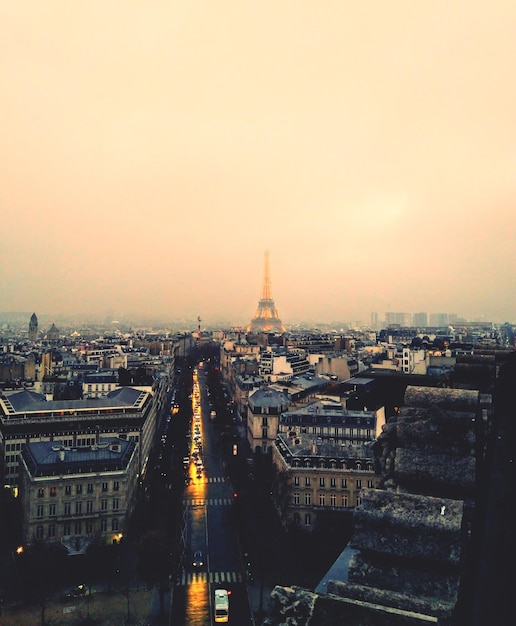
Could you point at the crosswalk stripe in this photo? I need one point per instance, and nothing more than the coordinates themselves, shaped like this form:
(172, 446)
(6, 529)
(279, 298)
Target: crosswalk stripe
(209, 502)
(188, 578)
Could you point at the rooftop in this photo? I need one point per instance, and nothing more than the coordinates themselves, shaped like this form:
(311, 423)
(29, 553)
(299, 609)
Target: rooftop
(24, 402)
(43, 457)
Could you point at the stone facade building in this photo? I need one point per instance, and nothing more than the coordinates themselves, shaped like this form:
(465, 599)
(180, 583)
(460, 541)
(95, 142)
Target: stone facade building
(264, 409)
(33, 328)
(315, 477)
(77, 495)
(26, 417)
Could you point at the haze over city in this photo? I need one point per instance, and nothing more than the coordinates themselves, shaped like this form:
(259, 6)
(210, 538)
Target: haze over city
(151, 153)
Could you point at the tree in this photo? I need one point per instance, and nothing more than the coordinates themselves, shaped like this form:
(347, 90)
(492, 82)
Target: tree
(155, 563)
(38, 579)
(281, 492)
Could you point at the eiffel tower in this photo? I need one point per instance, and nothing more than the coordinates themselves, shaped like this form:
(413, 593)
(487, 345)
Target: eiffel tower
(266, 318)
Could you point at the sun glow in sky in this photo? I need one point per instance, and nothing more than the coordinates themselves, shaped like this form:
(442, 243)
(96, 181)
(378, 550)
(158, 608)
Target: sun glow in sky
(152, 151)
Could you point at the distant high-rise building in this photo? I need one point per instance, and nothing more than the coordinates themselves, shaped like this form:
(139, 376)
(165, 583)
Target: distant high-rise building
(438, 319)
(374, 321)
(266, 317)
(420, 320)
(33, 327)
(397, 318)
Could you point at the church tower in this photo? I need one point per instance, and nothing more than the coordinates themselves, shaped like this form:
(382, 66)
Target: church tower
(266, 318)
(33, 328)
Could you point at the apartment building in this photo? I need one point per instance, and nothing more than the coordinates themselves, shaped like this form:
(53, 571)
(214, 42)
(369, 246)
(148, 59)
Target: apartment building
(128, 413)
(277, 365)
(264, 409)
(330, 421)
(315, 477)
(77, 495)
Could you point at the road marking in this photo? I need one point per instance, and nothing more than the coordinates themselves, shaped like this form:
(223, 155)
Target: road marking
(208, 502)
(188, 578)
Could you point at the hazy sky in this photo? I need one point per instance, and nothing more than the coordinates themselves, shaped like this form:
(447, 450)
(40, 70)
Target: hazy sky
(150, 152)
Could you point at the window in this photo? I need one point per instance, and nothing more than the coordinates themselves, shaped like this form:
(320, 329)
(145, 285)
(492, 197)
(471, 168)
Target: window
(104, 487)
(344, 483)
(39, 532)
(264, 422)
(41, 493)
(78, 528)
(89, 506)
(344, 500)
(78, 490)
(114, 523)
(66, 529)
(103, 504)
(103, 525)
(90, 488)
(78, 508)
(322, 499)
(116, 485)
(359, 500)
(333, 482)
(359, 483)
(321, 481)
(52, 509)
(68, 490)
(116, 504)
(296, 498)
(308, 519)
(89, 528)
(308, 498)
(53, 492)
(307, 481)
(67, 508)
(333, 500)
(39, 510)
(264, 433)
(370, 484)
(296, 480)
(51, 531)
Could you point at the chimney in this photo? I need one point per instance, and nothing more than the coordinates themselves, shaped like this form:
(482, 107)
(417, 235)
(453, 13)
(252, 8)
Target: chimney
(61, 454)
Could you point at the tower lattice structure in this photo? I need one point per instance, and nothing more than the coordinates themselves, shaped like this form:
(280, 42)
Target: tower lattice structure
(266, 317)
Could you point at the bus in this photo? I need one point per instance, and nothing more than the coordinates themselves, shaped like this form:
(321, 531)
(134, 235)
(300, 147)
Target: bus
(221, 605)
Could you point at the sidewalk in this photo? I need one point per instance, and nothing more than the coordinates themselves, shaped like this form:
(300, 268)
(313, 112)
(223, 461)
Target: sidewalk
(155, 619)
(259, 597)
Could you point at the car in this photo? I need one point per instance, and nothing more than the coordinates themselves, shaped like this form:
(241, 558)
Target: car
(198, 560)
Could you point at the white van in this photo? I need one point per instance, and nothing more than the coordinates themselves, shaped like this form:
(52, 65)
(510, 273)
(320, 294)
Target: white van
(221, 605)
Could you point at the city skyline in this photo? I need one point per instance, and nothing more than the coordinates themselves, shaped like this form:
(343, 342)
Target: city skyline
(151, 154)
